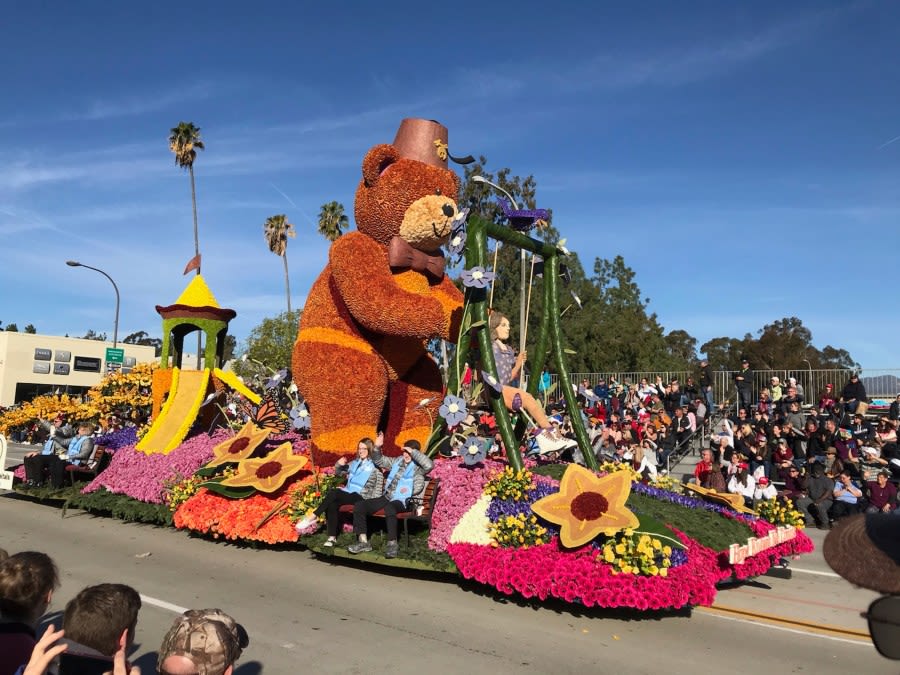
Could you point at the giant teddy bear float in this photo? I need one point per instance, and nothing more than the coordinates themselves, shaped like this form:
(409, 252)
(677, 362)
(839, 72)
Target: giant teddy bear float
(360, 358)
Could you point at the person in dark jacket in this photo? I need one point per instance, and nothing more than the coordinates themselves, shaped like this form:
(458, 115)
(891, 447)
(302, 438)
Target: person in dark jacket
(706, 386)
(853, 393)
(743, 380)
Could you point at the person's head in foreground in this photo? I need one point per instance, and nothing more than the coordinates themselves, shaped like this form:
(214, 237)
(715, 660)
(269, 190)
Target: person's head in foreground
(27, 582)
(410, 445)
(202, 642)
(865, 550)
(103, 617)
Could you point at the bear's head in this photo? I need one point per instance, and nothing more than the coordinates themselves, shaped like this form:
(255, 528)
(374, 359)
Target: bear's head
(406, 188)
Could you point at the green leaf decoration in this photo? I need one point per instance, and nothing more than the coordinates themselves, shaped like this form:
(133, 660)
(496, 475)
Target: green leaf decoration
(655, 528)
(477, 324)
(226, 491)
(209, 471)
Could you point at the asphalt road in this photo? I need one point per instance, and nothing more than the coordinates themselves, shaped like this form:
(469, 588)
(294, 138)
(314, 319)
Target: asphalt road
(305, 615)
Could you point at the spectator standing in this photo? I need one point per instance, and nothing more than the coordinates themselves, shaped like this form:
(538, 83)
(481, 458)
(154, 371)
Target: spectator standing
(743, 380)
(706, 385)
(894, 410)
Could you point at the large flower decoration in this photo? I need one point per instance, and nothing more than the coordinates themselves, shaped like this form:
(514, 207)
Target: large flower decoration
(587, 505)
(268, 473)
(474, 451)
(453, 409)
(300, 416)
(240, 446)
(524, 219)
(477, 277)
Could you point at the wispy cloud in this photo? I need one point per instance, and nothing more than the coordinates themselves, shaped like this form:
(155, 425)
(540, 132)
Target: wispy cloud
(142, 103)
(887, 143)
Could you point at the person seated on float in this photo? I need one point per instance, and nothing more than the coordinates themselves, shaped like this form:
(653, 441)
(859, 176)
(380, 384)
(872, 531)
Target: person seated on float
(27, 582)
(405, 480)
(364, 481)
(742, 483)
(37, 463)
(509, 368)
(72, 451)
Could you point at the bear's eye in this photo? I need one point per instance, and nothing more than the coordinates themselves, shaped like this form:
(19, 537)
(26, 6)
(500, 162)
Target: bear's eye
(438, 192)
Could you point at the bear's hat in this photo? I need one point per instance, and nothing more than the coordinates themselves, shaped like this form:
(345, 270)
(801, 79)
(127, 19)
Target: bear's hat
(425, 141)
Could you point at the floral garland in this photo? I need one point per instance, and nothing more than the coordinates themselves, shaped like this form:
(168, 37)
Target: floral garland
(546, 571)
(144, 477)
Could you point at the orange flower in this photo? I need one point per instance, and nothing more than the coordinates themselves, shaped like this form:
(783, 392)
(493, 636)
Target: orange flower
(270, 472)
(587, 505)
(240, 447)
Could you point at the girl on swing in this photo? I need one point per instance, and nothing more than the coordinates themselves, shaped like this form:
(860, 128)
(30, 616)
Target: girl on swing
(509, 368)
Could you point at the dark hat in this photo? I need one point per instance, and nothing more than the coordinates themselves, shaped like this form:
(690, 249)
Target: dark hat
(210, 638)
(865, 550)
(744, 359)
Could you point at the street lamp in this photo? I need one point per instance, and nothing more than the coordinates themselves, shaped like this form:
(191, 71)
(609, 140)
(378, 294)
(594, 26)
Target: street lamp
(523, 265)
(74, 263)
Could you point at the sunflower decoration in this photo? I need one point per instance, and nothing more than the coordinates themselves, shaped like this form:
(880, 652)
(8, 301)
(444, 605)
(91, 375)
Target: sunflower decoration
(267, 474)
(588, 505)
(239, 447)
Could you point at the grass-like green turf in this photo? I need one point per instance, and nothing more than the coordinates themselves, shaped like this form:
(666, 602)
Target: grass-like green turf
(418, 556)
(709, 528)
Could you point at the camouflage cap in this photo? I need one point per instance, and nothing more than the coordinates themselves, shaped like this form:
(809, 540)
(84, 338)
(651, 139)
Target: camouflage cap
(209, 637)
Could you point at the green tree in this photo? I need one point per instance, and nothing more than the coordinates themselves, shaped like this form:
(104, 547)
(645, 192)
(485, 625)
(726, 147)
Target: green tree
(12, 328)
(271, 344)
(332, 220)
(141, 337)
(630, 338)
(93, 335)
(31, 329)
(276, 230)
(184, 141)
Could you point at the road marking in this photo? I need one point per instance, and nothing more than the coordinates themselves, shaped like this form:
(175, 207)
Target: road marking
(163, 604)
(789, 624)
(821, 574)
(790, 630)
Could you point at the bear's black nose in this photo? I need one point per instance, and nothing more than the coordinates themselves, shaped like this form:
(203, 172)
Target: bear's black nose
(448, 210)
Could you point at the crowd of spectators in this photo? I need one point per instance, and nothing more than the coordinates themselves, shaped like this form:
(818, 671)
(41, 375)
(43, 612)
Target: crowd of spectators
(98, 628)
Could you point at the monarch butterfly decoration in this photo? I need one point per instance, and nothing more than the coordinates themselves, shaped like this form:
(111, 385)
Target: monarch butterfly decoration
(267, 415)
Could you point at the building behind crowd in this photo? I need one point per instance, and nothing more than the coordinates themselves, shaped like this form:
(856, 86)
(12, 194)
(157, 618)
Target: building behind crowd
(32, 365)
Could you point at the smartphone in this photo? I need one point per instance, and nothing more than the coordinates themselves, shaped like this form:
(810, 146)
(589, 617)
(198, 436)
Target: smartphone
(76, 664)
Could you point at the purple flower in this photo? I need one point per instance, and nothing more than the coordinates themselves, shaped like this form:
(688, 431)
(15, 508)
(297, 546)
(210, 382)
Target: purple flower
(453, 409)
(458, 235)
(523, 219)
(477, 277)
(491, 381)
(276, 379)
(300, 417)
(473, 451)
(118, 439)
(517, 403)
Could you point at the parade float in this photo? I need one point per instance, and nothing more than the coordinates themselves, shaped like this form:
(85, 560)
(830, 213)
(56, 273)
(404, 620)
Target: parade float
(600, 536)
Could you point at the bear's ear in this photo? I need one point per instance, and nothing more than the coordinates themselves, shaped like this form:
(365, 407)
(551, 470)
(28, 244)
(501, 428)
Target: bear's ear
(376, 161)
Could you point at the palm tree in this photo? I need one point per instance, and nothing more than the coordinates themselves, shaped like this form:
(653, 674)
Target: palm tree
(276, 230)
(332, 220)
(184, 141)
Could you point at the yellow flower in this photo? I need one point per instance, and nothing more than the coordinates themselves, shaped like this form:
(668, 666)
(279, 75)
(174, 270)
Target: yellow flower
(240, 447)
(587, 505)
(268, 473)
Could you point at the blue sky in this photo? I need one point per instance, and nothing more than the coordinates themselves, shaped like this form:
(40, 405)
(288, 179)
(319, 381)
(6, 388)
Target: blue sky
(738, 155)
